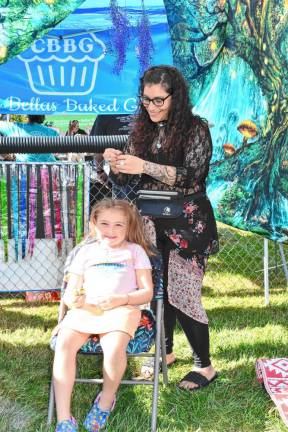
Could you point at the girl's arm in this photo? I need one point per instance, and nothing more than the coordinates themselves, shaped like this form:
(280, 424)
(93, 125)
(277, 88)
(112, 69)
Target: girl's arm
(74, 296)
(143, 295)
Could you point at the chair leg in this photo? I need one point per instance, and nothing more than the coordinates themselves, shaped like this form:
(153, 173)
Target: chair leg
(51, 405)
(163, 354)
(156, 368)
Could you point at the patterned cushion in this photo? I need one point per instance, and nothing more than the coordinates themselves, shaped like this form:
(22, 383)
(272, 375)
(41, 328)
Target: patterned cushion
(142, 341)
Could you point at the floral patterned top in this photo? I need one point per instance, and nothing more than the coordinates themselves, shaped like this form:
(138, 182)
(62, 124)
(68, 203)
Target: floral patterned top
(195, 231)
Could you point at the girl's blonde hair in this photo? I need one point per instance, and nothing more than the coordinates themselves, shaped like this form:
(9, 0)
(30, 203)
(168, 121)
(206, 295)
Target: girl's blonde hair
(135, 228)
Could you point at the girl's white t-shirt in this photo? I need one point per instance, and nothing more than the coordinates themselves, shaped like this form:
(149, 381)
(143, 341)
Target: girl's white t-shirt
(108, 271)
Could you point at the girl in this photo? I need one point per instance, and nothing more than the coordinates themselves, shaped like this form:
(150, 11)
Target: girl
(108, 280)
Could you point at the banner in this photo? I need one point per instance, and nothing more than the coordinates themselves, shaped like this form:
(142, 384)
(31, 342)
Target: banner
(234, 56)
(90, 62)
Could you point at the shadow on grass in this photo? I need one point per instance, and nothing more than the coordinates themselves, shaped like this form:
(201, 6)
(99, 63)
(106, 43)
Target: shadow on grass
(255, 350)
(13, 320)
(245, 317)
(234, 402)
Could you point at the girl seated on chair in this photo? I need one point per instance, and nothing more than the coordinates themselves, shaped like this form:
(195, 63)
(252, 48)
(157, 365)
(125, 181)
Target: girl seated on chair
(108, 280)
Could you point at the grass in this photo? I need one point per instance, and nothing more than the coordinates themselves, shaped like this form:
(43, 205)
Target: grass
(241, 328)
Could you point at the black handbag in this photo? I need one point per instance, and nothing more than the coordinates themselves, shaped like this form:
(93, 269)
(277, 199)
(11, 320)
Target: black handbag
(160, 204)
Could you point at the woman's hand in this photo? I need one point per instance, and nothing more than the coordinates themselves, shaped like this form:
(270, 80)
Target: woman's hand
(110, 155)
(129, 164)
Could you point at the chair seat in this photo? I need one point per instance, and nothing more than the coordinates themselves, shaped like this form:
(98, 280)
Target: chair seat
(142, 342)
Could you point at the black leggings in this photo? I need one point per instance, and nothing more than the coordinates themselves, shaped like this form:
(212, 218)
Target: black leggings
(196, 332)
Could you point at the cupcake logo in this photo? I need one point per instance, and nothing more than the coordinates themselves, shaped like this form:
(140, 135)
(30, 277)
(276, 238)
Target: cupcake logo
(64, 65)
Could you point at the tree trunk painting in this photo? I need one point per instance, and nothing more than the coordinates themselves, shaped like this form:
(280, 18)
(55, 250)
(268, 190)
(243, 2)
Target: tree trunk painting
(238, 78)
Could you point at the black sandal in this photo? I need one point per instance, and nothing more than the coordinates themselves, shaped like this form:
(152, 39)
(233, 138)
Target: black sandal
(196, 378)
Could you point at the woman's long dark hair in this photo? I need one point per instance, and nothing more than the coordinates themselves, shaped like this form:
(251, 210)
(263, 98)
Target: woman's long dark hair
(180, 118)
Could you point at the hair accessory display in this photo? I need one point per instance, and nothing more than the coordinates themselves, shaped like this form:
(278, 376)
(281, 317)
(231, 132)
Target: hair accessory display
(79, 204)
(64, 201)
(23, 208)
(72, 202)
(32, 209)
(15, 209)
(44, 174)
(57, 208)
(43, 201)
(4, 211)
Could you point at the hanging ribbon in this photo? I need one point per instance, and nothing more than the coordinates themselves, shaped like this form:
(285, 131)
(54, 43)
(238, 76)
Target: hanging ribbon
(23, 208)
(86, 195)
(72, 203)
(57, 207)
(64, 206)
(44, 175)
(32, 209)
(79, 205)
(4, 210)
(15, 209)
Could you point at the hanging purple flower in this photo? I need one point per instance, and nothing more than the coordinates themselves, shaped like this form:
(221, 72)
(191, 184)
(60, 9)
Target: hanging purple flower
(120, 36)
(146, 47)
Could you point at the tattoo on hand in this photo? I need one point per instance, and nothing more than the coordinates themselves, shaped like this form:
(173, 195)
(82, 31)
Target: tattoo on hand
(163, 173)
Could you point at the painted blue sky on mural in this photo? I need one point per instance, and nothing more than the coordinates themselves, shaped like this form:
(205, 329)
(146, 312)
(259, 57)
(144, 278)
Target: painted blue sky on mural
(85, 65)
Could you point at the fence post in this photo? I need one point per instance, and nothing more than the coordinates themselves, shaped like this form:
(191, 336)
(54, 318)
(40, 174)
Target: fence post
(266, 271)
(284, 263)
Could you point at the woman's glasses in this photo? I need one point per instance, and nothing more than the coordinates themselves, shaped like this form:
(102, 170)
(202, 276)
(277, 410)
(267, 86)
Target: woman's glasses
(157, 101)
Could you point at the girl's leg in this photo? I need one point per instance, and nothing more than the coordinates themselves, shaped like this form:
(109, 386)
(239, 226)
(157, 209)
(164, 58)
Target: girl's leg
(114, 345)
(64, 369)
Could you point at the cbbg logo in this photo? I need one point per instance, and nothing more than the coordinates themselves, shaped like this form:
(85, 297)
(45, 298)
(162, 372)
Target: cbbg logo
(64, 65)
(68, 46)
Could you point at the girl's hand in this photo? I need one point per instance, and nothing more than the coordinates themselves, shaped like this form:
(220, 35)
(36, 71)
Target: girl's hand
(110, 155)
(113, 301)
(129, 164)
(78, 301)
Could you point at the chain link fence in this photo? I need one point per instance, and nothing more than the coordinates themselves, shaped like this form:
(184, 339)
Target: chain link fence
(239, 264)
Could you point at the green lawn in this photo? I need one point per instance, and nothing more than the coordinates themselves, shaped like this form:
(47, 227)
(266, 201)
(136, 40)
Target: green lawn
(242, 329)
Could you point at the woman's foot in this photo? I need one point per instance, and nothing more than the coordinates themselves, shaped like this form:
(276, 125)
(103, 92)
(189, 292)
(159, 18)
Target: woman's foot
(198, 378)
(170, 359)
(147, 368)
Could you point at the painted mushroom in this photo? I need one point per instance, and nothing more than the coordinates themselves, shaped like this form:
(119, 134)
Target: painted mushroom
(248, 129)
(229, 149)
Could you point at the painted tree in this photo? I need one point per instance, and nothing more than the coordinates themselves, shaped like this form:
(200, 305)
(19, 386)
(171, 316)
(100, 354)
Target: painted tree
(256, 31)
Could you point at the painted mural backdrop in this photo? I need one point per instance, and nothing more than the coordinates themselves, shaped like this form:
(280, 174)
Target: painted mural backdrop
(234, 53)
(85, 62)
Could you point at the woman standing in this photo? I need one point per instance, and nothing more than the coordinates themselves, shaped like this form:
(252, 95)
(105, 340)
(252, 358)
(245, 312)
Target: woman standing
(169, 150)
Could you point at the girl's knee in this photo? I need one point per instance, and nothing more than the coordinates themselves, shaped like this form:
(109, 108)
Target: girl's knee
(115, 344)
(68, 341)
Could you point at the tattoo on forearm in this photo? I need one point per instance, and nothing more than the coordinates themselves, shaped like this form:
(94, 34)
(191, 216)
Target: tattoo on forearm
(163, 173)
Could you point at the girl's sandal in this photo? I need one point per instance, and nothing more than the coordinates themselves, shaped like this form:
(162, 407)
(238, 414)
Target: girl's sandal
(97, 418)
(67, 426)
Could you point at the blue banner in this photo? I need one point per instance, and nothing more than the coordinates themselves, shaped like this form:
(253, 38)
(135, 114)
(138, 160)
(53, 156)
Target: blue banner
(90, 63)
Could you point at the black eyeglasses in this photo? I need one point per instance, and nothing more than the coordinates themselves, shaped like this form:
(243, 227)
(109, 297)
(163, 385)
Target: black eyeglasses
(157, 101)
